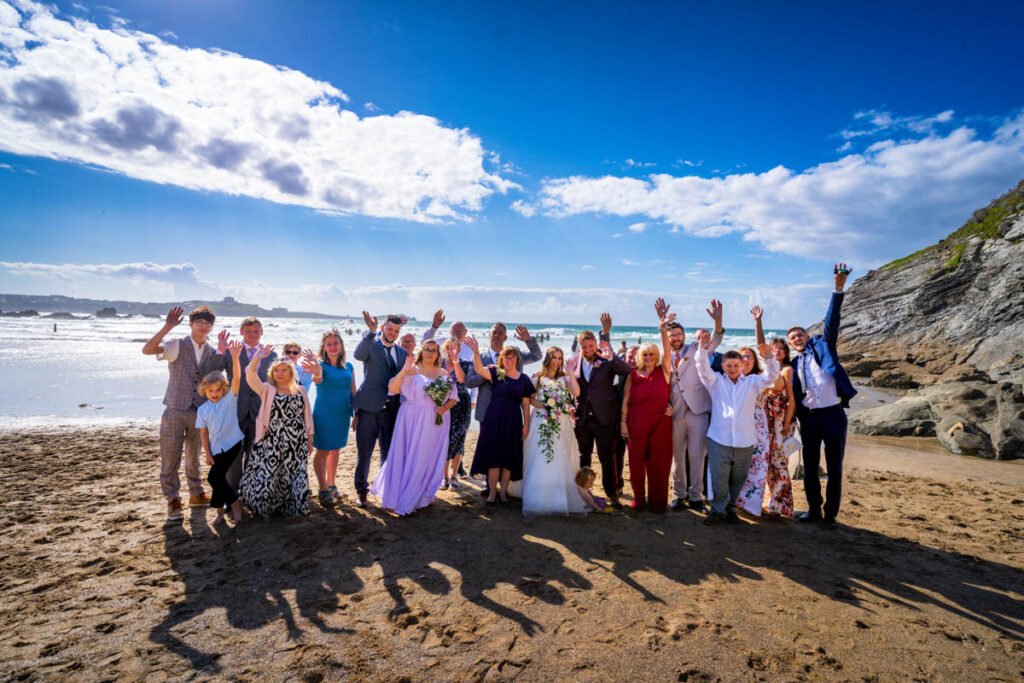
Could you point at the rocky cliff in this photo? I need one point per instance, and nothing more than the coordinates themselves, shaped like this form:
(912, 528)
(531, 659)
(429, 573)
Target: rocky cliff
(947, 324)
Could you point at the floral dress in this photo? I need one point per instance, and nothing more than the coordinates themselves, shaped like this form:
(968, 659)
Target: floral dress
(752, 496)
(462, 413)
(779, 486)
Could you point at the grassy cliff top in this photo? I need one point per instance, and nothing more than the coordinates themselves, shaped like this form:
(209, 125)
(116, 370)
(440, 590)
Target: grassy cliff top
(984, 223)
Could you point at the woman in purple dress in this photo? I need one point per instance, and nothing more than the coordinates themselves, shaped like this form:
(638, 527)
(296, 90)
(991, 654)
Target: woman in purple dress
(409, 478)
(499, 450)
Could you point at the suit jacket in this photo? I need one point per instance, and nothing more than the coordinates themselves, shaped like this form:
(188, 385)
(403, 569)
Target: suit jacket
(686, 387)
(823, 346)
(599, 397)
(372, 394)
(248, 400)
(488, 357)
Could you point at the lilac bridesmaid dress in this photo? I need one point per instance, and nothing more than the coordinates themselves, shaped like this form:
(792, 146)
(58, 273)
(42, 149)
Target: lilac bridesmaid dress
(410, 477)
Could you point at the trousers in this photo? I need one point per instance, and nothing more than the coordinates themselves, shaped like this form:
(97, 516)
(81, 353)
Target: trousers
(178, 433)
(826, 426)
(223, 493)
(373, 428)
(650, 459)
(689, 446)
(590, 433)
(729, 466)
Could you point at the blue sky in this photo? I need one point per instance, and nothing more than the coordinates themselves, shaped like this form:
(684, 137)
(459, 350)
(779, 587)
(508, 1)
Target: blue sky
(529, 162)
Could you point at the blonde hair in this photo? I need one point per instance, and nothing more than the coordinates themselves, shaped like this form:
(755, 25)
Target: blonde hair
(545, 366)
(585, 335)
(293, 385)
(213, 379)
(419, 354)
(322, 353)
(648, 346)
(584, 476)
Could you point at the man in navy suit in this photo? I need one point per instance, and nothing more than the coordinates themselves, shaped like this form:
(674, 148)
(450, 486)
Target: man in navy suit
(823, 392)
(374, 421)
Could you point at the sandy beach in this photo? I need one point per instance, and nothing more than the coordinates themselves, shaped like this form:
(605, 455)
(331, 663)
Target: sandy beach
(923, 581)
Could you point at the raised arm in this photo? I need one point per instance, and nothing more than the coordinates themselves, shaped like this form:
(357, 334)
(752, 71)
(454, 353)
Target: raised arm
(666, 347)
(395, 383)
(481, 372)
(235, 349)
(787, 422)
(311, 365)
(708, 377)
(572, 384)
(832, 316)
(252, 370)
(362, 352)
(173, 319)
(757, 312)
(771, 366)
(534, 354)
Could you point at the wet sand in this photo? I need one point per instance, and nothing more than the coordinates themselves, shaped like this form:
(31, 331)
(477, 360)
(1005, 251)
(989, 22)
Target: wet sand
(924, 581)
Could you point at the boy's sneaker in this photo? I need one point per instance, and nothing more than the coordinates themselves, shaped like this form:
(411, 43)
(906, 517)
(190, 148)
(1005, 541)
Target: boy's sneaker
(202, 500)
(173, 510)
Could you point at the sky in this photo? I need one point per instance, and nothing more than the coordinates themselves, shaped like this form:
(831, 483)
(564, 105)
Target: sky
(531, 161)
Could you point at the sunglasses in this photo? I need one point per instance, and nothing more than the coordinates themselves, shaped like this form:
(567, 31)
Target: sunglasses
(293, 353)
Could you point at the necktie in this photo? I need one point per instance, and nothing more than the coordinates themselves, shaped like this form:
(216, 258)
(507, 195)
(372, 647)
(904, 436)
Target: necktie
(392, 365)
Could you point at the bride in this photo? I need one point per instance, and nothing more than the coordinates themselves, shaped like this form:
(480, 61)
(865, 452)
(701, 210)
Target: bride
(549, 470)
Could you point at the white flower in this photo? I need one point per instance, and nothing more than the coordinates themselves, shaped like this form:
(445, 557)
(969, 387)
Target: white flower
(551, 402)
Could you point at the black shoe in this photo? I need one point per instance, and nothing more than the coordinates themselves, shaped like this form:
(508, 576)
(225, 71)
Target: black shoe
(829, 523)
(617, 504)
(808, 517)
(462, 472)
(714, 518)
(677, 505)
(732, 518)
(698, 505)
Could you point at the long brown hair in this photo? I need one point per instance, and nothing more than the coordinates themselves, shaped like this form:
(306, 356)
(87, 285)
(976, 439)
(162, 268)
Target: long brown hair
(545, 366)
(757, 361)
(333, 332)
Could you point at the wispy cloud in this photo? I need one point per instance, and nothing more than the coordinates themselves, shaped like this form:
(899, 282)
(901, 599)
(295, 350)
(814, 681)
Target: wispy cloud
(893, 198)
(637, 227)
(211, 120)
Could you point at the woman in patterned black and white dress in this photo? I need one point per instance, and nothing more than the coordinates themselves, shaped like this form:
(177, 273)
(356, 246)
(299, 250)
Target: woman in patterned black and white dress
(275, 479)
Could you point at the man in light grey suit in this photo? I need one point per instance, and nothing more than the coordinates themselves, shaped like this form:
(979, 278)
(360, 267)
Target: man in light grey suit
(376, 411)
(499, 333)
(691, 412)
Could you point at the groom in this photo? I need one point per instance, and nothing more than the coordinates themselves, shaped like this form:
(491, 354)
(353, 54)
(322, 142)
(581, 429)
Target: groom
(598, 405)
(822, 391)
(382, 358)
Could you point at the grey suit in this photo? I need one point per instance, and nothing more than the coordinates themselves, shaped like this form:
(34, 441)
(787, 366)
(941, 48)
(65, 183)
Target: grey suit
(375, 410)
(248, 408)
(489, 357)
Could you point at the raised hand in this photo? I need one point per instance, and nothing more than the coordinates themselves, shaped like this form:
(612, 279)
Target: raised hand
(704, 339)
(661, 308)
(404, 319)
(307, 354)
(606, 323)
(472, 343)
(571, 364)
(263, 350)
(604, 350)
(235, 349)
(666, 321)
(522, 334)
(371, 321)
(765, 349)
(410, 361)
(842, 271)
(310, 366)
(174, 317)
(222, 341)
(453, 356)
(756, 312)
(716, 313)
(438, 319)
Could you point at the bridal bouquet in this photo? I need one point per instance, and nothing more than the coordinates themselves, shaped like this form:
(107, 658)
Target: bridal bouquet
(438, 391)
(557, 401)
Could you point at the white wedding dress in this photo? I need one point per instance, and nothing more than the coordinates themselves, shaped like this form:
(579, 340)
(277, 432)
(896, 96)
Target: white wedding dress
(549, 488)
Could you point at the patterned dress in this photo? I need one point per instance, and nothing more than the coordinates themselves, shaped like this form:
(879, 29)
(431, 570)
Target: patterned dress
(751, 498)
(462, 413)
(779, 486)
(276, 480)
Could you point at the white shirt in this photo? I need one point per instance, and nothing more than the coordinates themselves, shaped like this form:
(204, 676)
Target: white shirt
(586, 367)
(171, 350)
(819, 386)
(733, 403)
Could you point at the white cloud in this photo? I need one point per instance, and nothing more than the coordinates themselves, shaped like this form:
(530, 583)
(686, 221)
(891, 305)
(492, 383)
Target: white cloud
(210, 120)
(629, 262)
(521, 207)
(633, 163)
(637, 227)
(371, 107)
(587, 266)
(893, 198)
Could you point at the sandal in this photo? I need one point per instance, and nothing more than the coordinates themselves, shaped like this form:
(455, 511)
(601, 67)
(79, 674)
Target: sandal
(326, 499)
(335, 494)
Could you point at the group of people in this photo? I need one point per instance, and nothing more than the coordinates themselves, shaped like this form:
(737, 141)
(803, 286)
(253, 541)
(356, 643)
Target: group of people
(707, 427)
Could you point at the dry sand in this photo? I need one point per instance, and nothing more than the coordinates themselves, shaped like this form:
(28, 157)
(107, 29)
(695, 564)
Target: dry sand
(923, 582)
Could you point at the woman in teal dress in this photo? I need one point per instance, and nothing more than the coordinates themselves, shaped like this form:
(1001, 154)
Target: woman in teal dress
(332, 412)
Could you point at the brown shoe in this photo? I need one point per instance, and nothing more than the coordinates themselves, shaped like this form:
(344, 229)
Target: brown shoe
(173, 510)
(200, 501)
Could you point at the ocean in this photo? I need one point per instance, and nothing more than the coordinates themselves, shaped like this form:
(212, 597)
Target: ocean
(92, 371)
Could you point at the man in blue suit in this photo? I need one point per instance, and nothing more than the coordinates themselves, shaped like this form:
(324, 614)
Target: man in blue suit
(823, 392)
(376, 411)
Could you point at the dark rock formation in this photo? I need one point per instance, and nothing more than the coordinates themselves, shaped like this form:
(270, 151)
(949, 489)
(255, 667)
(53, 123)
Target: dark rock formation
(947, 323)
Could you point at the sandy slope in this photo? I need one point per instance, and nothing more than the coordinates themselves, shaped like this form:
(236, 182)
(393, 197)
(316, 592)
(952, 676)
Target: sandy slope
(925, 582)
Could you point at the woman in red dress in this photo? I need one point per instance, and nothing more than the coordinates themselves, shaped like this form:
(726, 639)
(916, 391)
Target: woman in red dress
(647, 425)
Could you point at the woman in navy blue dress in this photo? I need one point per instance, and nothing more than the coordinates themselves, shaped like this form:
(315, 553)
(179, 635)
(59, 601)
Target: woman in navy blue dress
(499, 450)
